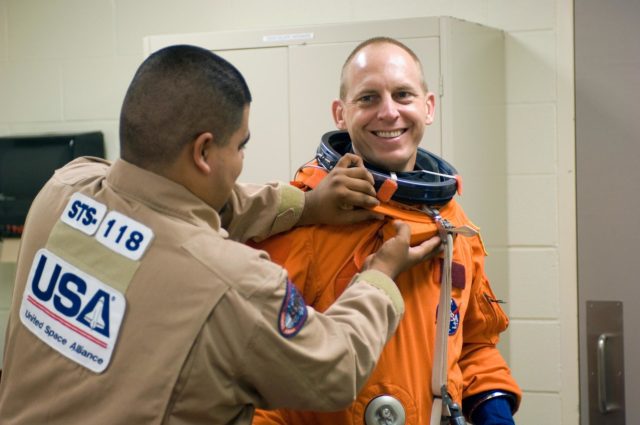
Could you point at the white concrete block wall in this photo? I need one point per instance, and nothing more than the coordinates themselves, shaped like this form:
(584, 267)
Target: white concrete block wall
(532, 210)
(535, 341)
(65, 65)
(39, 100)
(534, 292)
(4, 105)
(531, 131)
(4, 95)
(3, 31)
(60, 29)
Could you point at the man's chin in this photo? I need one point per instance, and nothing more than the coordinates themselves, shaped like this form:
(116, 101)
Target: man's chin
(390, 165)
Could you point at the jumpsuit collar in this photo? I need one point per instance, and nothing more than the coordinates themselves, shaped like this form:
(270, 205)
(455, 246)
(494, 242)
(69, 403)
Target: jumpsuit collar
(162, 194)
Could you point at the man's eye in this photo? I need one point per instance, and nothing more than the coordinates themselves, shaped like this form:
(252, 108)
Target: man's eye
(366, 99)
(404, 95)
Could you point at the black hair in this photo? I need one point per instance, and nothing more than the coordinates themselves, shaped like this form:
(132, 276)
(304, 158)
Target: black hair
(178, 93)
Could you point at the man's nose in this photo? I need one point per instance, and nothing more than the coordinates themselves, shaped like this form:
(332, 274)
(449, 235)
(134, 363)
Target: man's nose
(388, 109)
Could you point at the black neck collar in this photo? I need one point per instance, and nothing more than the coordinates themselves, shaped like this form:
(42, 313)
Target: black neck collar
(414, 187)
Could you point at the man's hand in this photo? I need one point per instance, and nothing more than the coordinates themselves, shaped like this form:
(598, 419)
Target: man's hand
(342, 196)
(396, 255)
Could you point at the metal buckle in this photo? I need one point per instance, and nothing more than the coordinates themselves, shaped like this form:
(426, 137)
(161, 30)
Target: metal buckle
(455, 416)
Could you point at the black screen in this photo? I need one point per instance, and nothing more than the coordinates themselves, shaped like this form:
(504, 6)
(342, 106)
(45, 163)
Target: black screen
(26, 163)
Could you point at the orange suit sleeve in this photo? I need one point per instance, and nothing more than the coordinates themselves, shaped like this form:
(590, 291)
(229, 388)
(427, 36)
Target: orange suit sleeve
(293, 250)
(269, 417)
(483, 367)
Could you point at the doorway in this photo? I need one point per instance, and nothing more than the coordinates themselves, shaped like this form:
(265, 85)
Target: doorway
(607, 67)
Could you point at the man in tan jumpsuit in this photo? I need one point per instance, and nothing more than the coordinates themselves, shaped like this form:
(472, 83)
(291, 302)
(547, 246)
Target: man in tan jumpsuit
(134, 304)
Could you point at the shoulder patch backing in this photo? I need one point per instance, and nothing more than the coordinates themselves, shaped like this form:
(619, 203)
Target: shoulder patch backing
(293, 313)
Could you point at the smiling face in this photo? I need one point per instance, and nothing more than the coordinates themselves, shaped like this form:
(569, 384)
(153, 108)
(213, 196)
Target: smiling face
(385, 107)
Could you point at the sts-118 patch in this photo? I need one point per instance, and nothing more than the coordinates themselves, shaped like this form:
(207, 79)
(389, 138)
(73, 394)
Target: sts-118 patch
(293, 313)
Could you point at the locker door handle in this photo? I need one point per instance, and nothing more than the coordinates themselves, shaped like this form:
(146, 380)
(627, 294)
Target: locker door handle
(605, 355)
(603, 395)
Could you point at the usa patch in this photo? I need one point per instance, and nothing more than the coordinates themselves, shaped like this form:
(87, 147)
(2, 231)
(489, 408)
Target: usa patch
(72, 311)
(454, 317)
(293, 313)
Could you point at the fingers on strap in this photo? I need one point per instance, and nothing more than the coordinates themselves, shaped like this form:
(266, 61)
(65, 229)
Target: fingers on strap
(349, 160)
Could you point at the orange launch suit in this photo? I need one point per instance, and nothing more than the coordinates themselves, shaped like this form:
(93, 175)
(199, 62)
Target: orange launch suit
(321, 260)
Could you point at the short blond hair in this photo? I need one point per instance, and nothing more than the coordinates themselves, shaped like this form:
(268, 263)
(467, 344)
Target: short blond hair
(379, 40)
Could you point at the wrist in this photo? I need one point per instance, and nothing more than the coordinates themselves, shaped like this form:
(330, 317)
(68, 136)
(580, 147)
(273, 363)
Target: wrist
(495, 407)
(381, 267)
(308, 208)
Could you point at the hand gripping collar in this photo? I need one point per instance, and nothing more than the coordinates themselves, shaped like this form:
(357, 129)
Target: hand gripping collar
(434, 182)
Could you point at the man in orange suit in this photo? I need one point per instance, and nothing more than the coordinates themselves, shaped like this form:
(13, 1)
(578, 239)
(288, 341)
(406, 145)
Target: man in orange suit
(382, 113)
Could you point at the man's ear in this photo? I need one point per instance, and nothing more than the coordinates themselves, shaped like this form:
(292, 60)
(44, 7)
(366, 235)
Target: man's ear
(337, 110)
(431, 108)
(201, 152)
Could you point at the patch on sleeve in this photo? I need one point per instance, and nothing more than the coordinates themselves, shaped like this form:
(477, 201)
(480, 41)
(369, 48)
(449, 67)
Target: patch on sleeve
(293, 313)
(454, 317)
(458, 277)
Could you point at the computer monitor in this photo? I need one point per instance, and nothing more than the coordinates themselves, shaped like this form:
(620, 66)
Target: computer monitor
(27, 162)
